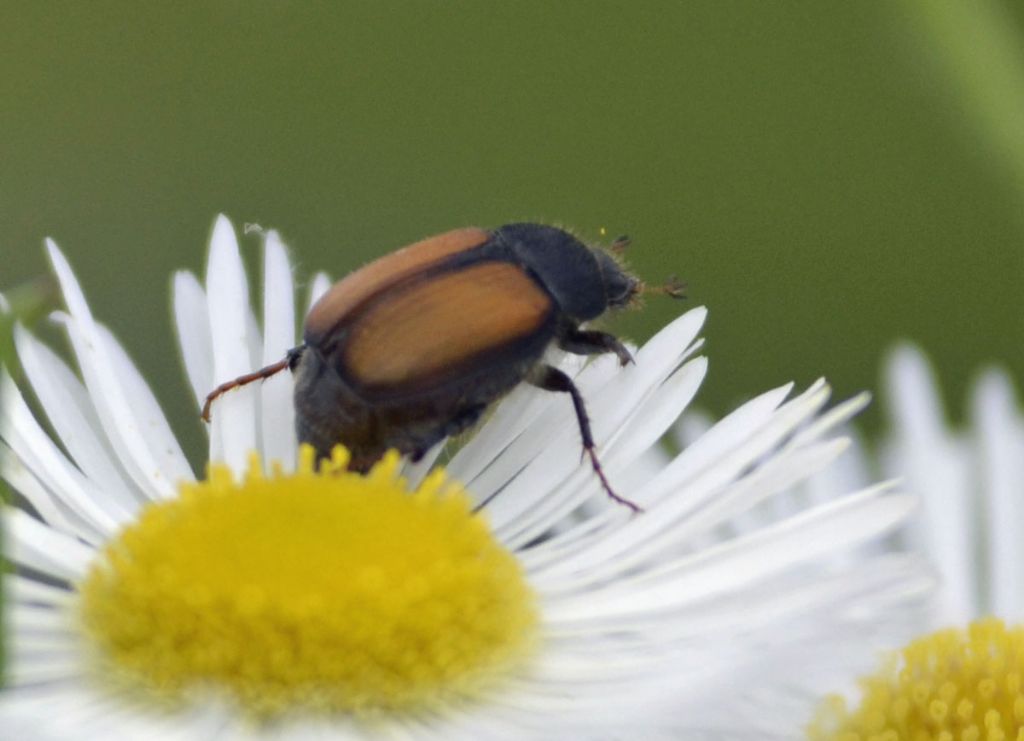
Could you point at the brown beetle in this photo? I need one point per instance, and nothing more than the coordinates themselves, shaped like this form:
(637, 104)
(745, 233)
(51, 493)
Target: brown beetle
(413, 347)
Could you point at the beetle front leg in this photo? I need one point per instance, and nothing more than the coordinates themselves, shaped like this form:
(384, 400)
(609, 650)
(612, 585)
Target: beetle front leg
(594, 342)
(551, 379)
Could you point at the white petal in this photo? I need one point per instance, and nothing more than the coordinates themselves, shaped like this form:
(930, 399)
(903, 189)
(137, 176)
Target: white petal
(913, 394)
(320, 285)
(777, 474)
(73, 710)
(32, 544)
(735, 564)
(932, 461)
(513, 415)
(838, 415)
(642, 427)
(849, 473)
(28, 647)
(102, 377)
(276, 405)
(148, 416)
(51, 508)
(23, 590)
(1001, 454)
(191, 318)
(691, 427)
(233, 416)
(70, 411)
(414, 473)
(645, 535)
(42, 622)
(84, 508)
(728, 435)
(649, 423)
(37, 669)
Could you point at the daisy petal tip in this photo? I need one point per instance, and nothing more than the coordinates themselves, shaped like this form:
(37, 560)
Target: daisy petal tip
(184, 280)
(58, 318)
(906, 360)
(221, 222)
(320, 285)
(223, 241)
(905, 348)
(994, 388)
(693, 320)
(785, 389)
(57, 260)
(273, 238)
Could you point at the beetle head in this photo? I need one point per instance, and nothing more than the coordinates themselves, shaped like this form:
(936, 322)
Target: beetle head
(620, 288)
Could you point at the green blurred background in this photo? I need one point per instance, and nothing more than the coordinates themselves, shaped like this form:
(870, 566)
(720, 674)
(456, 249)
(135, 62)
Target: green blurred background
(827, 176)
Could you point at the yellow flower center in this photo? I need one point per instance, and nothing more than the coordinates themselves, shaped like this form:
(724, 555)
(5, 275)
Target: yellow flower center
(953, 685)
(322, 589)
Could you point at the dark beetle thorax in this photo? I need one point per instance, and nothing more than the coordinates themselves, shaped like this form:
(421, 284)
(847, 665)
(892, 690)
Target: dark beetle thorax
(566, 267)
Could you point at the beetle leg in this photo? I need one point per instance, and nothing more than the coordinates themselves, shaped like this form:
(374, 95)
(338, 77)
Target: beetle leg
(291, 359)
(551, 379)
(594, 342)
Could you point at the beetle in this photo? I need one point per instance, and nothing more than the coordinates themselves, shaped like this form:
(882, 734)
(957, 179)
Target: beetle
(413, 347)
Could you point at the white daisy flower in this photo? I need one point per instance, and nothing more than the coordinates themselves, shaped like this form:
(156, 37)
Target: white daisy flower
(962, 675)
(139, 613)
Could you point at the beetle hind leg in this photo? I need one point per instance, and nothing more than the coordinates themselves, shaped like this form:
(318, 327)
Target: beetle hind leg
(290, 361)
(551, 379)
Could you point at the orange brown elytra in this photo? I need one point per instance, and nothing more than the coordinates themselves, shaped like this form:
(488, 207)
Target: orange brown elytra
(414, 347)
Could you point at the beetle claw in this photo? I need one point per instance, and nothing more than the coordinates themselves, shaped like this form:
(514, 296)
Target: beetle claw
(596, 465)
(674, 287)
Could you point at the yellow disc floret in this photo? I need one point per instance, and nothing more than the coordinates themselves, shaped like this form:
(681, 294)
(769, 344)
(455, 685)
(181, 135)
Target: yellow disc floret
(954, 685)
(321, 589)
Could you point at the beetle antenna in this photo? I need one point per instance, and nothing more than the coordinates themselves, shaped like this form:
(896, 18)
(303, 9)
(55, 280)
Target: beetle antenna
(288, 361)
(620, 245)
(673, 288)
